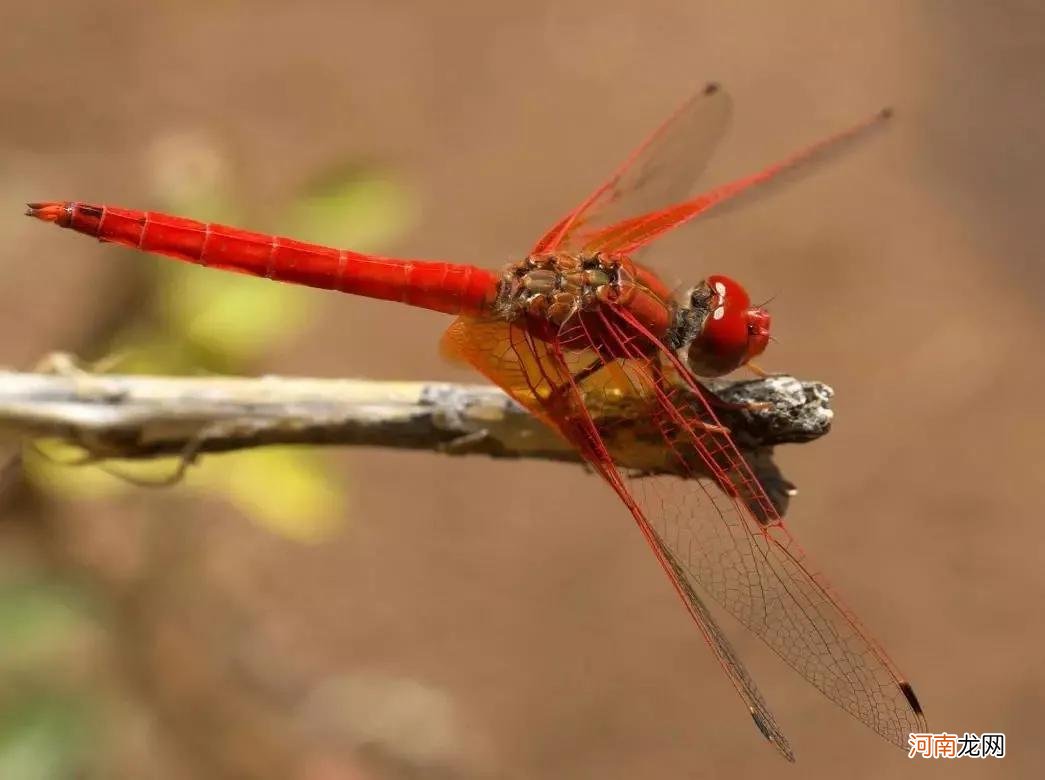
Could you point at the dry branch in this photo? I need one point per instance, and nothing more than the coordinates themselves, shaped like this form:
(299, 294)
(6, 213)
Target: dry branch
(114, 416)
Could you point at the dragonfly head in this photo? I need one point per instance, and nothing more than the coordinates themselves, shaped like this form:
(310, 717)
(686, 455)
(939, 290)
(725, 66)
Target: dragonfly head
(728, 331)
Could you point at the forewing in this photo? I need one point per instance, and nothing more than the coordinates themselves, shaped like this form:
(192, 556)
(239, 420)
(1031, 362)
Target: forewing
(662, 170)
(635, 232)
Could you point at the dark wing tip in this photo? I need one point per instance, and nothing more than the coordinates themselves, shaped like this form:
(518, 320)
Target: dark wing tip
(775, 739)
(908, 693)
(712, 87)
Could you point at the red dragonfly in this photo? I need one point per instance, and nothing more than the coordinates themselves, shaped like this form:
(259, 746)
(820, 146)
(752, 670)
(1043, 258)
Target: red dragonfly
(578, 318)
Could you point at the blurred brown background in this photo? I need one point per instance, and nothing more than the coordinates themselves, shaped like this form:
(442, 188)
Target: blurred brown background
(472, 619)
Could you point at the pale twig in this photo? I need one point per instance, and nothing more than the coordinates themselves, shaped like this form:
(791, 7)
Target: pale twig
(134, 417)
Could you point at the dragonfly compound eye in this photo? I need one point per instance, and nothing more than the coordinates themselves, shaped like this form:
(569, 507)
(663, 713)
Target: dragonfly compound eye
(731, 333)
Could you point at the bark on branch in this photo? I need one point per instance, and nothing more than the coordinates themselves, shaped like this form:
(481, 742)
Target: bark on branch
(114, 416)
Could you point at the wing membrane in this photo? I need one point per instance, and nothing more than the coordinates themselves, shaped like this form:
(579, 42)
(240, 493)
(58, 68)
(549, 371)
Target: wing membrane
(715, 533)
(644, 197)
(631, 234)
(660, 171)
(730, 542)
(541, 378)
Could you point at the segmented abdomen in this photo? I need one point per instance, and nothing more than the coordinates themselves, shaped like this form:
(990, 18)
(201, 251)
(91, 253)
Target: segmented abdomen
(451, 288)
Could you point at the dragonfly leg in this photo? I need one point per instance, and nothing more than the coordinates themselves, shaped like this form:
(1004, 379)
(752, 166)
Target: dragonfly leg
(693, 422)
(700, 425)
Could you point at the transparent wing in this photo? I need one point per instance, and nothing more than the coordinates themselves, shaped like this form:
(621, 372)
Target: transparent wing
(635, 232)
(661, 171)
(715, 532)
(541, 378)
(729, 541)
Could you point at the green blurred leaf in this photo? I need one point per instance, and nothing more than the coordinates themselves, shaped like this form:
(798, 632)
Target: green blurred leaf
(37, 619)
(239, 317)
(42, 736)
(355, 207)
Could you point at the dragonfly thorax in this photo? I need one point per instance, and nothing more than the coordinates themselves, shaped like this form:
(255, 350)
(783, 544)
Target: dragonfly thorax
(553, 287)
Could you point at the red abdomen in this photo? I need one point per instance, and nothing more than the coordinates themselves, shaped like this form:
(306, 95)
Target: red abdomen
(445, 287)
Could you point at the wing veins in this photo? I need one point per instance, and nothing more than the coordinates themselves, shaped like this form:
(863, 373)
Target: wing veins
(715, 637)
(853, 674)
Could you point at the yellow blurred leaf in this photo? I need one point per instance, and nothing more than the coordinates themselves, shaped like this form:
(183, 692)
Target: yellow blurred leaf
(49, 465)
(144, 349)
(288, 490)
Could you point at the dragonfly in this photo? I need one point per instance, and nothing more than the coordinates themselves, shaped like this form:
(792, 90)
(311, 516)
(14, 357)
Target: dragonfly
(582, 317)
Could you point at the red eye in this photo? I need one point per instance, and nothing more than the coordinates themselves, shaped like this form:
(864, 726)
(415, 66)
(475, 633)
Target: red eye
(732, 334)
